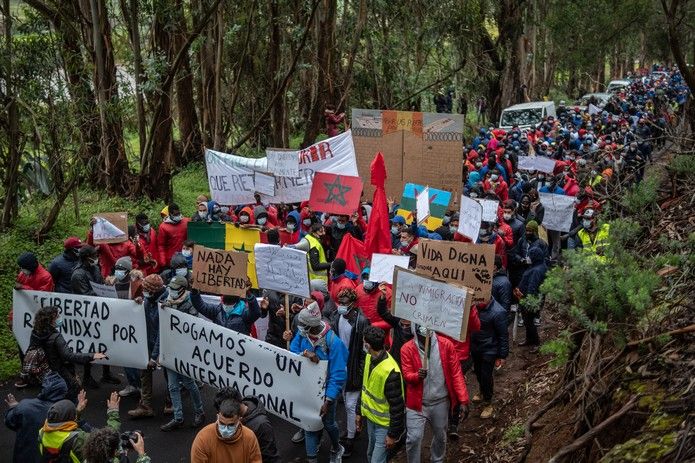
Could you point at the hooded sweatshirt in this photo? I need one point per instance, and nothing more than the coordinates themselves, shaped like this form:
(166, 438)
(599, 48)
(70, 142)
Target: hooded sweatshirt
(209, 447)
(256, 419)
(27, 418)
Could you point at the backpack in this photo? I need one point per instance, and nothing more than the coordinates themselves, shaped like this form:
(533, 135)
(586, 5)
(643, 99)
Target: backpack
(35, 365)
(55, 450)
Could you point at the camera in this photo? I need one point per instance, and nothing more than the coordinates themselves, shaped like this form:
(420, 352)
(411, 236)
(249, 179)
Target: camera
(127, 436)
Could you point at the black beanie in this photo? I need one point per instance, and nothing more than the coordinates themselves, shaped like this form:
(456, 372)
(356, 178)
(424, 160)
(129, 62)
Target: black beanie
(27, 260)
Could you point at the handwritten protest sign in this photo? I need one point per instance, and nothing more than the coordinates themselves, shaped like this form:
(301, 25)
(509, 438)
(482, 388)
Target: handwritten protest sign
(423, 205)
(220, 272)
(288, 385)
(264, 183)
(537, 163)
(231, 178)
(110, 227)
(470, 217)
(382, 265)
(559, 211)
(283, 163)
(115, 327)
(436, 305)
(104, 290)
(489, 209)
(282, 269)
(467, 264)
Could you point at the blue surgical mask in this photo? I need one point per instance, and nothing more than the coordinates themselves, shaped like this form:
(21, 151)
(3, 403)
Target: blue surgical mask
(405, 244)
(234, 309)
(453, 229)
(119, 274)
(59, 322)
(395, 230)
(340, 225)
(343, 309)
(181, 272)
(586, 223)
(369, 285)
(146, 227)
(262, 221)
(226, 430)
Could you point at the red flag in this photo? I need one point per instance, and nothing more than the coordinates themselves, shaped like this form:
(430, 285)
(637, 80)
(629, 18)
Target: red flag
(335, 194)
(378, 238)
(353, 252)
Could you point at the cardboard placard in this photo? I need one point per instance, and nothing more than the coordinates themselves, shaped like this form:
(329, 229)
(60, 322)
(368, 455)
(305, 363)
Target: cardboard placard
(283, 163)
(110, 228)
(282, 269)
(382, 266)
(220, 272)
(467, 264)
(439, 306)
(470, 218)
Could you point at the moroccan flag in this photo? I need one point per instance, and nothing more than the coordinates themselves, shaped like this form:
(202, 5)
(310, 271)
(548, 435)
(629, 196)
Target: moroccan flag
(439, 202)
(353, 252)
(378, 238)
(229, 237)
(335, 194)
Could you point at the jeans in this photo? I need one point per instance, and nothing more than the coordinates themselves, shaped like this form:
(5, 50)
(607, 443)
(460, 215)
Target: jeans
(484, 368)
(350, 398)
(173, 382)
(312, 439)
(133, 376)
(438, 417)
(376, 450)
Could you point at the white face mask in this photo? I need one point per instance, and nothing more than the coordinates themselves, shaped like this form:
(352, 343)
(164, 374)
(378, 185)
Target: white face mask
(306, 222)
(243, 218)
(181, 272)
(146, 227)
(202, 214)
(290, 227)
(507, 216)
(395, 230)
(186, 252)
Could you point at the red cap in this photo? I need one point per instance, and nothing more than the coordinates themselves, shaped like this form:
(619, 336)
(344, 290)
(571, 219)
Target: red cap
(72, 243)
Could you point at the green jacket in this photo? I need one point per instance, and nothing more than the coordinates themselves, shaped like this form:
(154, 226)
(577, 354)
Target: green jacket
(113, 421)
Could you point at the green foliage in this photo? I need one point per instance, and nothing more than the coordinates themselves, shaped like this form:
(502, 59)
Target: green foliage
(559, 348)
(641, 198)
(683, 164)
(513, 433)
(188, 184)
(646, 448)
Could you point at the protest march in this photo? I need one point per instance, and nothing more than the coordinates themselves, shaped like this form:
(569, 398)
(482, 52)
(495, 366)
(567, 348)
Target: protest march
(318, 287)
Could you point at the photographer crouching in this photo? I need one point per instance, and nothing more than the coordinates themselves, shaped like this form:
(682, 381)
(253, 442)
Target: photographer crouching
(106, 445)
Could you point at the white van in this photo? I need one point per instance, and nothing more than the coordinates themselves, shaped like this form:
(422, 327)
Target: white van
(526, 115)
(615, 86)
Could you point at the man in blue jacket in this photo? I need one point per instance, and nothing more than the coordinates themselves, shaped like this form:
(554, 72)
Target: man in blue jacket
(62, 266)
(316, 341)
(233, 312)
(27, 417)
(530, 286)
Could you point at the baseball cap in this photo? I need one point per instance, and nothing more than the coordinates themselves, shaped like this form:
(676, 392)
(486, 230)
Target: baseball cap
(72, 242)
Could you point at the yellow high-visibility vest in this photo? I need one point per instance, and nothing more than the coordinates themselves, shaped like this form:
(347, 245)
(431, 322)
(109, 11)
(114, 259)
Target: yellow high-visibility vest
(374, 406)
(52, 443)
(600, 240)
(316, 244)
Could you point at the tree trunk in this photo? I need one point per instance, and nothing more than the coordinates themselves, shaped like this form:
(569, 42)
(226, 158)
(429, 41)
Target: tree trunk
(278, 132)
(131, 16)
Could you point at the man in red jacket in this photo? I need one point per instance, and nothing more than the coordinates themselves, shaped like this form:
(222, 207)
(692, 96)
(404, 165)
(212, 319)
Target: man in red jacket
(172, 233)
(111, 252)
(432, 392)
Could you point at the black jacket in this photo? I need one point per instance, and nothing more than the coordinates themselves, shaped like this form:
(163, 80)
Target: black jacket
(59, 355)
(61, 269)
(393, 391)
(492, 341)
(256, 419)
(502, 289)
(399, 336)
(355, 363)
(82, 276)
(276, 325)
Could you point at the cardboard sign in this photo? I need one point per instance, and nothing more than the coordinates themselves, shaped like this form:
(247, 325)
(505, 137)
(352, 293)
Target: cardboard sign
(537, 163)
(282, 269)
(288, 385)
(110, 227)
(436, 305)
(423, 205)
(283, 163)
(264, 183)
(489, 209)
(231, 178)
(115, 327)
(382, 266)
(467, 264)
(559, 211)
(104, 290)
(335, 194)
(470, 218)
(219, 272)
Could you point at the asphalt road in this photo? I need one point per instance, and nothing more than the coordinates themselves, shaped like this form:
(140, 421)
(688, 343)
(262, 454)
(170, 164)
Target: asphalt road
(173, 446)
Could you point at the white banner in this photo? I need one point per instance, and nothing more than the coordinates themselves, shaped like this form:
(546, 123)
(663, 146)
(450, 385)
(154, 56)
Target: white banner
(436, 305)
(283, 163)
(231, 177)
(559, 211)
(537, 163)
(289, 385)
(490, 207)
(264, 183)
(115, 327)
(104, 290)
(282, 269)
(470, 217)
(382, 265)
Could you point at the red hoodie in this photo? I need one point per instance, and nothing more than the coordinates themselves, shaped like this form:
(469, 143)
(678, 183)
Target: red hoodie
(367, 303)
(110, 253)
(170, 240)
(39, 280)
